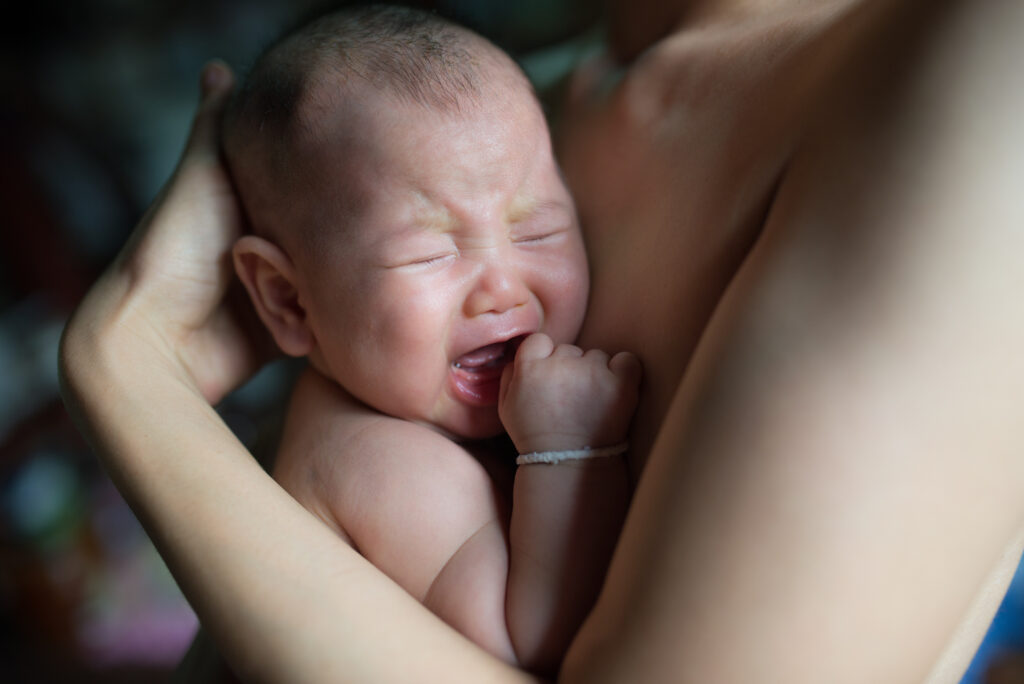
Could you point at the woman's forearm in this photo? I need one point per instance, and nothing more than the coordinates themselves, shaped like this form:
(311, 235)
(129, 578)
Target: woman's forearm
(290, 603)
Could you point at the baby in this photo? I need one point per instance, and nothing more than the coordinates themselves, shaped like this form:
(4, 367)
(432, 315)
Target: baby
(412, 236)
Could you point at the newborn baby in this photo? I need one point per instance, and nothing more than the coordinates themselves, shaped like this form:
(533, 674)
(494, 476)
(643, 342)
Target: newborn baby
(412, 236)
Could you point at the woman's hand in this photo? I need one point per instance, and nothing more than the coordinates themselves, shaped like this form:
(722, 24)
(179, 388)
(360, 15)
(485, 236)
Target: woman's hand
(169, 295)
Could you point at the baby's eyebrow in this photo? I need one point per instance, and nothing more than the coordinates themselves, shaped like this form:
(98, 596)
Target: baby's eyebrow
(428, 216)
(527, 208)
(418, 225)
(436, 221)
(423, 220)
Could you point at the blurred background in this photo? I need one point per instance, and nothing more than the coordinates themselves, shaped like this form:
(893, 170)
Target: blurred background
(96, 101)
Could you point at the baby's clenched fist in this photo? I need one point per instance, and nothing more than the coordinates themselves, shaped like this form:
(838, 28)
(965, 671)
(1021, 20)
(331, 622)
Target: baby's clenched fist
(559, 397)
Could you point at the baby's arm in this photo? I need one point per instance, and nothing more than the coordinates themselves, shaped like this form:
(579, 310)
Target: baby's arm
(565, 517)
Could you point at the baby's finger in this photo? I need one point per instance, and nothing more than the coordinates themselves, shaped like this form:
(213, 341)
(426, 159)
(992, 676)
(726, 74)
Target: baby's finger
(597, 356)
(536, 346)
(626, 366)
(567, 351)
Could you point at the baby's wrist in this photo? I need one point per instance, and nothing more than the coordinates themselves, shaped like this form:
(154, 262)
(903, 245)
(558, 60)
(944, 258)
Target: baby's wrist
(564, 439)
(555, 441)
(582, 454)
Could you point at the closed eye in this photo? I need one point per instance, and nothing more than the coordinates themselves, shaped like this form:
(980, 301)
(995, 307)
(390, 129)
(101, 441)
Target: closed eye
(433, 260)
(532, 238)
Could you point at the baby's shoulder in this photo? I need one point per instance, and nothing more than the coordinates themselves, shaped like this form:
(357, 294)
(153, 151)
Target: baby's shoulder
(350, 458)
(328, 430)
(404, 495)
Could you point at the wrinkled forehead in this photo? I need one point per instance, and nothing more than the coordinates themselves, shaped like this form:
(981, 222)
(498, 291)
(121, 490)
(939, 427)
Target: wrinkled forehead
(346, 130)
(493, 84)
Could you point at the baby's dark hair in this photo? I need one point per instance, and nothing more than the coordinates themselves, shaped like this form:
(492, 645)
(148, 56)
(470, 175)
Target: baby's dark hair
(409, 53)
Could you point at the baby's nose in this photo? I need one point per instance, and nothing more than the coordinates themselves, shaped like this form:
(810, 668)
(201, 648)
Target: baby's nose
(498, 289)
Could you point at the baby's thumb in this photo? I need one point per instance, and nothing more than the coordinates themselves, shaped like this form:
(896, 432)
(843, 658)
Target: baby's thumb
(506, 381)
(535, 347)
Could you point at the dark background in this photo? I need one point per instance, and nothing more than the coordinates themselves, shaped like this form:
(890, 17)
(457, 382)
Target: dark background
(96, 101)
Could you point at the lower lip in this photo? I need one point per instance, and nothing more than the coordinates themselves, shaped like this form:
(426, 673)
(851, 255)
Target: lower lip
(477, 388)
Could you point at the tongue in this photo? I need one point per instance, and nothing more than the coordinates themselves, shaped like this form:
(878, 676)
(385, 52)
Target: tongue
(481, 357)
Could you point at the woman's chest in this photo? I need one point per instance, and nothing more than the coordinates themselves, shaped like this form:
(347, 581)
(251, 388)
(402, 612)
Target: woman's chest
(675, 172)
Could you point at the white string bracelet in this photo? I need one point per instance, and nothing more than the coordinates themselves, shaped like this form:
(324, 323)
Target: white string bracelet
(553, 457)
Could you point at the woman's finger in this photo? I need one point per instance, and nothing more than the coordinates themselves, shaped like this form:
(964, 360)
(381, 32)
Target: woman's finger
(216, 81)
(197, 210)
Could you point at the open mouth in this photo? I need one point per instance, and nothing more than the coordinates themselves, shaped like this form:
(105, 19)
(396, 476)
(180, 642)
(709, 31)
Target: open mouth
(476, 375)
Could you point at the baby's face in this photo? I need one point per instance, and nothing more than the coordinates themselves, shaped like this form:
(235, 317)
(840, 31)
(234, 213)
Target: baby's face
(462, 240)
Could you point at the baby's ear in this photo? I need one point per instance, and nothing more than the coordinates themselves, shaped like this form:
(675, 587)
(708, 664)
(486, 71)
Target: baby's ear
(269, 276)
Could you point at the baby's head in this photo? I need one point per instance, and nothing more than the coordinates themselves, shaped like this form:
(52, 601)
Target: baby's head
(409, 222)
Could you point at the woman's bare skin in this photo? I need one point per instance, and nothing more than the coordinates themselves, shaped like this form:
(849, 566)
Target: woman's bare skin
(843, 172)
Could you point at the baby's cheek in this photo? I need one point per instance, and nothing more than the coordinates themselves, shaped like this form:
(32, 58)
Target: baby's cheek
(571, 310)
(563, 302)
(409, 338)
